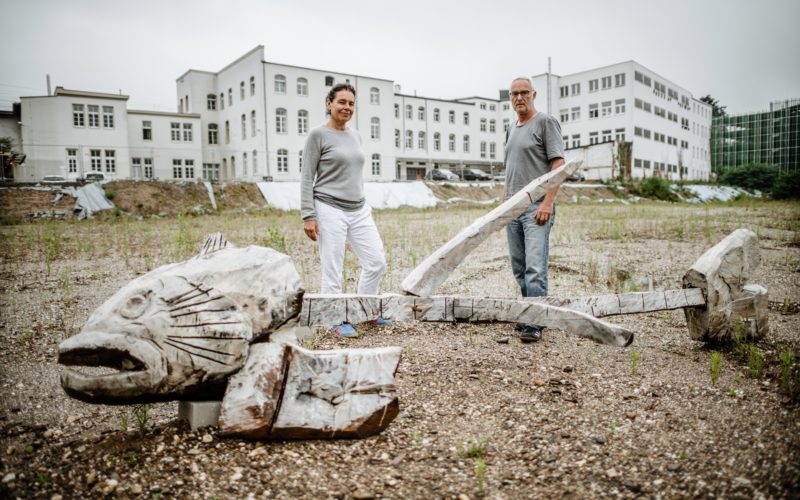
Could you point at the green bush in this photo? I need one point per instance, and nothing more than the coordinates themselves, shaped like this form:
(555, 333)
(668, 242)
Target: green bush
(654, 187)
(787, 186)
(751, 176)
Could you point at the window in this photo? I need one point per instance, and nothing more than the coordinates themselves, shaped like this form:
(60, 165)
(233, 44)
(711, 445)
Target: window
(72, 161)
(302, 122)
(175, 131)
(436, 114)
(409, 139)
(592, 111)
(397, 138)
(230, 97)
(619, 80)
(397, 110)
(619, 135)
(147, 130)
(492, 126)
(77, 115)
(639, 77)
(280, 84)
(466, 118)
(244, 164)
(437, 141)
(421, 140)
(576, 113)
(619, 107)
(252, 85)
(241, 91)
(148, 168)
(483, 125)
(111, 160)
(96, 160)
(659, 112)
(376, 164)
(283, 160)
(576, 89)
(280, 121)
(451, 143)
(300, 161)
(211, 171)
(187, 132)
(646, 133)
(189, 168)
(222, 101)
(492, 150)
(328, 81)
(213, 133)
(108, 117)
(483, 149)
(605, 82)
(565, 91)
(564, 114)
(227, 132)
(506, 124)
(302, 87)
(593, 85)
(605, 108)
(375, 128)
(409, 112)
(576, 141)
(637, 131)
(94, 115)
(466, 144)
(606, 136)
(255, 161)
(374, 95)
(451, 116)
(177, 169)
(593, 138)
(244, 128)
(483, 105)
(638, 103)
(253, 123)
(421, 112)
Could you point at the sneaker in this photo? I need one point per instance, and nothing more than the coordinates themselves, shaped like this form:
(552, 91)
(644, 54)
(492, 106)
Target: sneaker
(520, 327)
(381, 321)
(344, 330)
(531, 333)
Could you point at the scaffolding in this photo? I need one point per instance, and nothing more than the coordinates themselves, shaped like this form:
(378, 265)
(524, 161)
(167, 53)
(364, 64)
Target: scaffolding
(771, 137)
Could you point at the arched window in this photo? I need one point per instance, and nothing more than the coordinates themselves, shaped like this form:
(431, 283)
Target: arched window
(302, 86)
(244, 164)
(374, 95)
(375, 128)
(492, 127)
(421, 112)
(300, 161)
(227, 132)
(483, 149)
(280, 121)
(253, 92)
(255, 162)
(376, 164)
(483, 124)
(466, 144)
(437, 141)
(409, 139)
(397, 111)
(421, 139)
(451, 143)
(397, 138)
(492, 150)
(244, 128)
(221, 101)
(451, 115)
(230, 97)
(253, 123)
(436, 114)
(283, 160)
(211, 102)
(302, 122)
(213, 133)
(466, 118)
(280, 84)
(409, 112)
(241, 92)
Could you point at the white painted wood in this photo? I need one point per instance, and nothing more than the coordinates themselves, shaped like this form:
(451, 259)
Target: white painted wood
(752, 308)
(426, 278)
(199, 414)
(628, 303)
(721, 273)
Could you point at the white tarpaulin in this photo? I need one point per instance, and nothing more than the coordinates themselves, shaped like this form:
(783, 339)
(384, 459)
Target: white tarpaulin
(210, 194)
(88, 199)
(286, 195)
(705, 192)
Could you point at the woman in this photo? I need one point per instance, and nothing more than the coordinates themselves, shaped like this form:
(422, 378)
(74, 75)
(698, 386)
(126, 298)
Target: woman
(332, 200)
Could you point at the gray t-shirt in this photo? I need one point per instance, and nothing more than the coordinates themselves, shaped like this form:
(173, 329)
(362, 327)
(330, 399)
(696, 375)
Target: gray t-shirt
(333, 166)
(529, 150)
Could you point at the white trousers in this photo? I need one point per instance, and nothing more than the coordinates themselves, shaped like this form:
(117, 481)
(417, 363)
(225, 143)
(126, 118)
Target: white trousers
(337, 227)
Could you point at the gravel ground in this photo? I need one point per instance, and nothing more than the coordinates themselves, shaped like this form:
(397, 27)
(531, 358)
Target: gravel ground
(482, 415)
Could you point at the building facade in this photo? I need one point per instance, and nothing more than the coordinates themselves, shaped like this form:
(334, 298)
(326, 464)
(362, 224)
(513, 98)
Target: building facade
(667, 130)
(249, 121)
(771, 137)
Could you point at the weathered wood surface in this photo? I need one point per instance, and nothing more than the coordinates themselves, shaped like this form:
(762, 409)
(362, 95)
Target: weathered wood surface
(752, 309)
(426, 278)
(287, 392)
(721, 273)
(612, 304)
(334, 309)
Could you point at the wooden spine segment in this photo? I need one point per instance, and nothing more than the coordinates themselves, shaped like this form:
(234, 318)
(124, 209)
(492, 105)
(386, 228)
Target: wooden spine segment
(426, 278)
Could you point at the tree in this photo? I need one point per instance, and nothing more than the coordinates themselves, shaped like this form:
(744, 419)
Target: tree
(717, 109)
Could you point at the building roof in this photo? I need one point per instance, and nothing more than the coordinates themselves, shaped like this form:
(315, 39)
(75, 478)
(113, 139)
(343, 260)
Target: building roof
(61, 91)
(163, 113)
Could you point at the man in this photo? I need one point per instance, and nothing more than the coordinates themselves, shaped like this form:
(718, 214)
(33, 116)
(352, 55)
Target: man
(533, 148)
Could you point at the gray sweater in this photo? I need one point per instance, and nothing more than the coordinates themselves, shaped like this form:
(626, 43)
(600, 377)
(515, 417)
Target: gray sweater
(333, 166)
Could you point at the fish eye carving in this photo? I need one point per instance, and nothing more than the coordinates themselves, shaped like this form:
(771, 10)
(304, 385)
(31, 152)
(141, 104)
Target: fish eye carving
(136, 305)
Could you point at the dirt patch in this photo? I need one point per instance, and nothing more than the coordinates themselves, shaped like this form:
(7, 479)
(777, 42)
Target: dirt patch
(19, 203)
(239, 195)
(154, 198)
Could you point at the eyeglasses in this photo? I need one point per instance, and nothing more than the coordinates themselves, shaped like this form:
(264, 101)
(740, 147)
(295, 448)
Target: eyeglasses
(520, 93)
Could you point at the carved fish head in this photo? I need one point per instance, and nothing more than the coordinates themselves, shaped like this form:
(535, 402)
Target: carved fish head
(181, 330)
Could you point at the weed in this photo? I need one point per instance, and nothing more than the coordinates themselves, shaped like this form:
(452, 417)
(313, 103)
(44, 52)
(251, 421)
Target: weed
(786, 357)
(141, 415)
(635, 356)
(613, 426)
(410, 353)
(274, 239)
(476, 447)
(592, 274)
(755, 362)
(416, 438)
(42, 477)
(731, 392)
(122, 418)
(480, 473)
(51, 240)
(716, 366)
(131, 459)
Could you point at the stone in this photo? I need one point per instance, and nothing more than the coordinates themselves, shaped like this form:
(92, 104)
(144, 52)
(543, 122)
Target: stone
(199, 414)
(9, 477)
(136, 489)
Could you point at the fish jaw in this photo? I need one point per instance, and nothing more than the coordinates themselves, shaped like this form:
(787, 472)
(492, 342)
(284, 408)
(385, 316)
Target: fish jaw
(141, 374)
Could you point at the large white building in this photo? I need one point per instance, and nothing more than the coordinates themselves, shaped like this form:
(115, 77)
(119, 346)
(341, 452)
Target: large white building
(249, 121)
(669, 131)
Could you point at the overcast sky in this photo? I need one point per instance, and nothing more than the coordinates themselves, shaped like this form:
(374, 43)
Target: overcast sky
(742, 52)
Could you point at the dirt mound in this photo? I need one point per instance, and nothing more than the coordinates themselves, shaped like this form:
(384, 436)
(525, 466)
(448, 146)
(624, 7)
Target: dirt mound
(152, 198)
(238, 195)
(19, 203)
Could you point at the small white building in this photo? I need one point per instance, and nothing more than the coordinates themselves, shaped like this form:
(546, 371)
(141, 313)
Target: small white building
(669, 130)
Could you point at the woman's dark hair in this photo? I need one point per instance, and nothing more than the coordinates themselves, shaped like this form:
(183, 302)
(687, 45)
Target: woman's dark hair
(336, 88)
